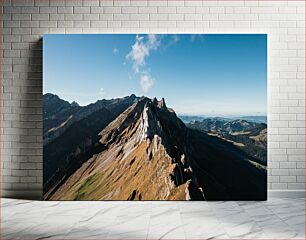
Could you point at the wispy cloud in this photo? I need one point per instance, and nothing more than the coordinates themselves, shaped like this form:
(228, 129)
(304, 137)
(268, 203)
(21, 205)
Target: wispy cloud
(141, 49)
(169, 42)
(146, 82)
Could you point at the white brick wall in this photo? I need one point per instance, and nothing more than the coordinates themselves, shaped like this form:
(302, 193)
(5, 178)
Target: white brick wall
(24, 22)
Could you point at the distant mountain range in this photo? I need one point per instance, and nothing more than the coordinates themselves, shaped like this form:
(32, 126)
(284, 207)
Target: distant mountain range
(255, 119)
(250, 137)
(138, 149)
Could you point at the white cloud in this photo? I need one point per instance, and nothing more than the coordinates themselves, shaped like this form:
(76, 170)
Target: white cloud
(153, 41)
(146, 82)
(138, 54)
(115, 51)
(141, 49)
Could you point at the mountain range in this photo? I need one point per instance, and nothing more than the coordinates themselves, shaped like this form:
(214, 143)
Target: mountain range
(193, 118)
(250, 137)
(136, 148)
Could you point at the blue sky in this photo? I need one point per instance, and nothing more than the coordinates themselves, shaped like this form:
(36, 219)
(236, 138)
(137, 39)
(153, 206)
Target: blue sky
(210, 74)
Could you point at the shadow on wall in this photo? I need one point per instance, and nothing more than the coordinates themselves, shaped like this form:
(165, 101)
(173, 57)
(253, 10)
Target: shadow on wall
(30, 145)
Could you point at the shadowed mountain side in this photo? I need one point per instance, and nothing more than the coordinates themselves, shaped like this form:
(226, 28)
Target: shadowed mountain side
(79, 138)
(224, 169)
(62, 153)
(56, 111)
(149, 154)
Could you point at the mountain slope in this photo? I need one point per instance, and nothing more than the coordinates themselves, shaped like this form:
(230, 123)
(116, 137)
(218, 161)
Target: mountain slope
(65, 144)
(147, 153)
(56, 111)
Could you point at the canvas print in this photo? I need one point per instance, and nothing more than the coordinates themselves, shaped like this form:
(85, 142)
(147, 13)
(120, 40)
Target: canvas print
(155, 117)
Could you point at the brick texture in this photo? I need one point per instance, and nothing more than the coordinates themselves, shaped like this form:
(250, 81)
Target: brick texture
(24, 22)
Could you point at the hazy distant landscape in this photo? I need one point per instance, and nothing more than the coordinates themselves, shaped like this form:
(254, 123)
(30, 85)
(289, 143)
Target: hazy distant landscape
(193, 118)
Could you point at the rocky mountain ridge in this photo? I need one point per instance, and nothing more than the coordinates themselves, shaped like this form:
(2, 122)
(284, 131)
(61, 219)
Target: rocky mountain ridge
(147, 153)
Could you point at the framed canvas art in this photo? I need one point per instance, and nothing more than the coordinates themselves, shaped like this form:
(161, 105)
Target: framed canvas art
(155, 117)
